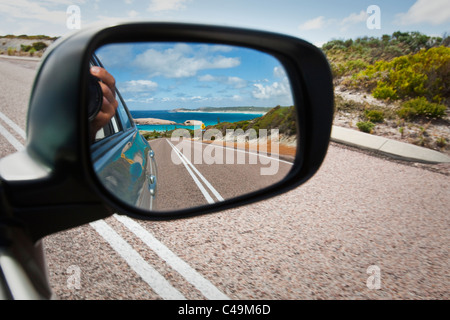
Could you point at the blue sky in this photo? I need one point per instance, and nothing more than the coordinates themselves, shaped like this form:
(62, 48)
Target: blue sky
(162, 76)
(315, 21)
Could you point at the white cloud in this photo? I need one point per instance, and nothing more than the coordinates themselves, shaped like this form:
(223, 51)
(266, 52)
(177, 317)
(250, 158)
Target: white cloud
(234, 82)
(114, 55)
(434, 12)
(59, 2)
(132, 14)
(321, 22)
(184, 99)
(279, 90)
(352, 19)
(279, 72)
(166, 5)
(181, 61)
(313, 24)
(207, 78)
(276, 89)
(355, 18)
(138, 86)
(141, 100)
(34, 10)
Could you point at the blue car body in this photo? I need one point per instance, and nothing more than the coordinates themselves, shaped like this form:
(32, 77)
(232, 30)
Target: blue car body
(123, 159)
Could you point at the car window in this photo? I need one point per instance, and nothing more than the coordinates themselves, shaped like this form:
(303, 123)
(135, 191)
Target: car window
(122, 121)
(123, 114)
(111, 128)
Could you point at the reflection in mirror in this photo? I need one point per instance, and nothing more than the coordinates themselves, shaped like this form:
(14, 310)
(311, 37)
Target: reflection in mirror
(195, 123)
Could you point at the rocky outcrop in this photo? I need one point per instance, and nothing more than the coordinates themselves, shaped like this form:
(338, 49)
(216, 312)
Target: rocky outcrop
(153, 121)
(193, 123)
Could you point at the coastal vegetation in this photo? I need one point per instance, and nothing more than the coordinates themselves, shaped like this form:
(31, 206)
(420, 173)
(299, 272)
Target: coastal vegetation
(25, 45)
(27, 37)
(394, 85)
(281, 118)
(225, 109)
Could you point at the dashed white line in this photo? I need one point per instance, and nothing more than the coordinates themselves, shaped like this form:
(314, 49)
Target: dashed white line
(202, 189)
(155, 280)
(14, 126)
(11, 139)
(245, 151)
(189, 273)
(186, 162)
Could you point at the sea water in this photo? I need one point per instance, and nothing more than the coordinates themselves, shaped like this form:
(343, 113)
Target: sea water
(208, 118)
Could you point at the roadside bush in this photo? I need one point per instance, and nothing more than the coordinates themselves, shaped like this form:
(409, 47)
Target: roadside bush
(420, 107)
(384, 93)
(36, 46)
(347, 68)
(343, 105)
(366, 126)
(25, 48)
(11, 51)
(425, 74)
(441, 142)
(374, 115)
(281, 118)
(39, 45)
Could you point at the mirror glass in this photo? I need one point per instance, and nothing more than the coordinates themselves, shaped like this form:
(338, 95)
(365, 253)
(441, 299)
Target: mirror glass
(182, 125)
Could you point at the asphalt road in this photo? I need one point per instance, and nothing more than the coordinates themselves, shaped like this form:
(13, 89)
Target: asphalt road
(192, 173)
(363, 228)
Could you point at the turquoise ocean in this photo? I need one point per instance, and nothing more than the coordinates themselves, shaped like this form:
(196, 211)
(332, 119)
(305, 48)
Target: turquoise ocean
(208, 118)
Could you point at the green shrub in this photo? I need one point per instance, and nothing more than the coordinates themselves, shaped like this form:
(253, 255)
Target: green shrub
(420, 107)
(281, 118)
(426, 74)
(374, 115)
(356, 65)
(365, 126)
(350, 67)
(11, 51)
(441, 142)
(39, 45)
(25, 48)
(384, 92)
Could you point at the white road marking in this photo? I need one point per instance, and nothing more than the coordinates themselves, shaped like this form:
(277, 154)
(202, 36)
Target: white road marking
(189, 273)
(14, 126)
(245, 151)
(205, 193)
(11, 139)
(206, 182)
(152, 277)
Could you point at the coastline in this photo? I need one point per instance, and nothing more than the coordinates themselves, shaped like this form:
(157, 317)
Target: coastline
(196, 111)
(154, 121)
(195, 117)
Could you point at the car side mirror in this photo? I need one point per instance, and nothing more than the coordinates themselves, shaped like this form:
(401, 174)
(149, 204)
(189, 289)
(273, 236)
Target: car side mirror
(92, 179)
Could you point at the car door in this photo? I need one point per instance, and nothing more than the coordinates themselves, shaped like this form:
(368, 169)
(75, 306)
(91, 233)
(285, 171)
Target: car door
(123, 159)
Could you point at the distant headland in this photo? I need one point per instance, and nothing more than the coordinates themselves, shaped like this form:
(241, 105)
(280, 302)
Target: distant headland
(250, 110)
(154, 121)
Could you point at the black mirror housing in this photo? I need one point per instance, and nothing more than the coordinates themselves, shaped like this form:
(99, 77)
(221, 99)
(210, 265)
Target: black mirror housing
(58, 135)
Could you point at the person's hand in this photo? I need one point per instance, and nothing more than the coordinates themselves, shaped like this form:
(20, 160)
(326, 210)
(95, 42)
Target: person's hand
(110, 104)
